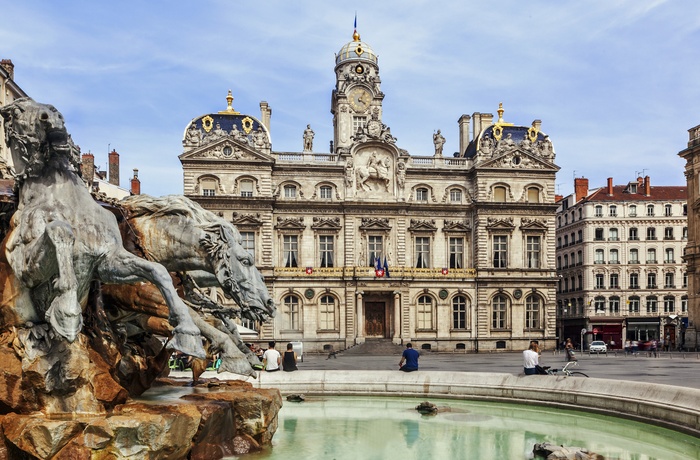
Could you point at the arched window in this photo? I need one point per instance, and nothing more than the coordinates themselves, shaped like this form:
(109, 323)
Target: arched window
(633, 210)
(614, 256)
(668, 210)
(499, 194)
(532, 312)
(669, 257)
(460, 312)
(533, 195)
(634, 305)
(326, 192)
(290, 191)
(421, 194)
(599, 305)
(499, 312)
(599, 211)
(246, 186)
(650, 210)
(292, 312)
(634, 256)
(613, 210)
(669, 280)
(425, 312)
(669, 304)
(599, 256)
(327, 309)
(652, 304)
(614, 305)
(651, 256)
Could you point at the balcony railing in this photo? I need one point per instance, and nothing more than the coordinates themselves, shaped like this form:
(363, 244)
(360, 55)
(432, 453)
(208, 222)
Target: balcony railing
(394, 272)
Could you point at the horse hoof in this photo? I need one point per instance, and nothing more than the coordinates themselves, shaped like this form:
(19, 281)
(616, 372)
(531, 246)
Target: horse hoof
(188, 344)
(65, 315)
(238, 366)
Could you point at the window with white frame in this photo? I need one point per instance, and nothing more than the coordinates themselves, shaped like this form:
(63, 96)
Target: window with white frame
(248, 242)
(566, 261)
(651, 256)
(579, 257)
(668, 233)
(614, 305)
(290, 250)
(599, 256)
(613, 210)
(358, 122)
(326, 192)
(669, 280)
(669, 256)
(651, 280)
(599, 281)
(459, 312)
(246, 186)
(292, 312)
(614, 281)
(500, 251)
(375, 245)
(208, 187)
(326, 320)
(685, 233)
(613, 235)
(634, 280)
(532, 312)
(634, 256)
(685, 279)
(421, 194)
(455, 195)
(599, 305)
(326, 249)
(634, 234)
(614, 256)
(598, 211)
(650, 210)
(290, 191)
(684, 304)
(499, 312)
(456, 252)
(633, 210)
(633, 306)
(652, 304)
(651, 233)
(599, 234)
(425, 312)
(668, 210)
(533, 250)
(422, 252)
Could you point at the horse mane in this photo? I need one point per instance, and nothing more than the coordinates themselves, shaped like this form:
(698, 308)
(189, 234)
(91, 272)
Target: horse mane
(169, 205)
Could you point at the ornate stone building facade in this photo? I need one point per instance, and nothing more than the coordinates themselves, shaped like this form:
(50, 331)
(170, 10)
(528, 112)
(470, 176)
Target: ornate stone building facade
(692, 251)
(370, 241)
(9, 91)
(619, 259)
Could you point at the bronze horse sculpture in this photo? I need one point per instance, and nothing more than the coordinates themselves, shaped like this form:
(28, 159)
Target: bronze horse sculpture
(60, 239)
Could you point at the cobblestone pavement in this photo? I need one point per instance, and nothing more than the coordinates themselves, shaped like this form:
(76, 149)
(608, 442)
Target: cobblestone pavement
(682, 369)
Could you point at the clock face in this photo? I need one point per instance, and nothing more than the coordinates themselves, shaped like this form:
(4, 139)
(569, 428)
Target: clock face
(360, 99)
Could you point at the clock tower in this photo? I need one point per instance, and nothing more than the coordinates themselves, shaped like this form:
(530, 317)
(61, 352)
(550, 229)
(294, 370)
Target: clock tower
(357, 97)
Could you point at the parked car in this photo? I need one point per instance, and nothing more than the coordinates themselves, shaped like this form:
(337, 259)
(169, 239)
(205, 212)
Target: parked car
(598, 346)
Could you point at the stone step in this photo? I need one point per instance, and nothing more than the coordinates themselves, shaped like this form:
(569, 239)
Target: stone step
(375, 347)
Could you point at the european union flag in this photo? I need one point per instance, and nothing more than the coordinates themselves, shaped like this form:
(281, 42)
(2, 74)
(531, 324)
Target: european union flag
(386, 268)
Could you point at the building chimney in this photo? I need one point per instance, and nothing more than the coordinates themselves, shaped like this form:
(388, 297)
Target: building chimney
(476, 118)
(580, 188)
(87, 168)
(9, 67)
(114, 168)
(610, 186)
(647, 186)
(486, 120)
(265, 114)
(463, 133)
(135, 183)
(558, 198)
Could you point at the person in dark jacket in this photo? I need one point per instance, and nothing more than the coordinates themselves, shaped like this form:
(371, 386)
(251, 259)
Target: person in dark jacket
(289, 360)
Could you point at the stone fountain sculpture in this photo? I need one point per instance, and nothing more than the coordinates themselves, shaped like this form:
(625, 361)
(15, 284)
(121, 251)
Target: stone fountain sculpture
(78, 312)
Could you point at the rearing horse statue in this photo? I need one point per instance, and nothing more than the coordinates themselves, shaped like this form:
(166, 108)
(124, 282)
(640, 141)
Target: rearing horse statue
(60, 239)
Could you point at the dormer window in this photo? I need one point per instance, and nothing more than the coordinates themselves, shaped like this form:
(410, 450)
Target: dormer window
(326, 192)
(246, 188)
(421, 194)
(290, 191)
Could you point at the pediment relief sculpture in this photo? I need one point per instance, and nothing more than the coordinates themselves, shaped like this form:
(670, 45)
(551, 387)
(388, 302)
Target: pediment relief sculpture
(456, 226)
(247, 220)
(290, 223)
(533, 224)
(418, 225)
(375, 223)
(319, 223)
(502, 223)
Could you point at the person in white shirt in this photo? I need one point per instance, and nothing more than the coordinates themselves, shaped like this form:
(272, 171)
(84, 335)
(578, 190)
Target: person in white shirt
(531, 359)
(271, 358)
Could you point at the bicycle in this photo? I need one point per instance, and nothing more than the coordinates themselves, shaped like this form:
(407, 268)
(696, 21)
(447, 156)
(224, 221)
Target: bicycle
(567, 372)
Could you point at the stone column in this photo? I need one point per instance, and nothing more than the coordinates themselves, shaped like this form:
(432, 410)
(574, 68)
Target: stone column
(397, 318)
(359, 319)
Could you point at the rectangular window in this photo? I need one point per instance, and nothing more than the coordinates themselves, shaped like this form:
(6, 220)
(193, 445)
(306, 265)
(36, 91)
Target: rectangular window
(290, 191)
(634, 280)
(614, 281)
(634, 306)
(357, 123)
(246, 188)
(375, 246)
(652, 305)
(669, 280)
(456, 252)
(248, 242)
(498, 319)
(668, 210)
(668, 233)
(533, 251)
(650, 210)
(614, 305)
(599, 281)
(459, 313)
(634, 235)
(669, 305)
(325, 249)
(455, 195)
(612, 235)
(422, 252)
(290, 245)
(651, 280)
(651, 233)
(500, 251)
(208, 192)
(499, 194)
(425, 313)
(326, 193)
(208, 187)
(599, 211)
(327, 313)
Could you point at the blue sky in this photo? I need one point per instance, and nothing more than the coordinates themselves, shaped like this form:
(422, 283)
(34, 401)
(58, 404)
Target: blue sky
(615, 83)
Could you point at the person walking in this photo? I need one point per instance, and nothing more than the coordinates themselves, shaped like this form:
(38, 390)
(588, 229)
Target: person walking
(410, 356)
(289, 360)
(570, 353)
(271, 358)
(531, 359)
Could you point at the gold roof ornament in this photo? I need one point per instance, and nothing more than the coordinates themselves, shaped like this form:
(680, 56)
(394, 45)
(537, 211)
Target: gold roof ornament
(229, 105)
(498, 126)
(355, 36)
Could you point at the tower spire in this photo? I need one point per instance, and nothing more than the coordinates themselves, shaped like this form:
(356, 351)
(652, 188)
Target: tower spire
(355, 35)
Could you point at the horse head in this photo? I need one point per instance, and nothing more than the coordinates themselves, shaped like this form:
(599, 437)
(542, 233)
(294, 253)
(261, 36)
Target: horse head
(36, 134)
(236, 272)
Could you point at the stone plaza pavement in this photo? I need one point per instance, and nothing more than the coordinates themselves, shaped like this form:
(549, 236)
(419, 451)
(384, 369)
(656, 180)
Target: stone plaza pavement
(681, 369)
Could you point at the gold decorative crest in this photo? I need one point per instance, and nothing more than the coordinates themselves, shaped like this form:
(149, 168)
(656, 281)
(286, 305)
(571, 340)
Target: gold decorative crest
(359, 50)
(207, 123)
(498, 126)
(247, 124)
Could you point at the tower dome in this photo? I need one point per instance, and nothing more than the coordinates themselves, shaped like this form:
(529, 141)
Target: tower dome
(356, 50)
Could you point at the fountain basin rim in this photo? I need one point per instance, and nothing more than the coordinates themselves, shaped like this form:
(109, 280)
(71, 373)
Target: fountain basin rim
(673, 407)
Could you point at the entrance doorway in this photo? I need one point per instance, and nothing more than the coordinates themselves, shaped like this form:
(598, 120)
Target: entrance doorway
(375, 319)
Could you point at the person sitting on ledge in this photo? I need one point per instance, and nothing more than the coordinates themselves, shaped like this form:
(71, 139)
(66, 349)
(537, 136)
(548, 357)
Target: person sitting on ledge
(411, 357)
